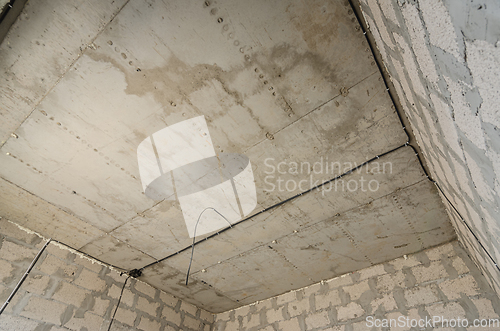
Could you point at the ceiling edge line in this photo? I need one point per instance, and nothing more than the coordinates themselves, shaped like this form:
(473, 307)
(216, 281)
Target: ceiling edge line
(58, 208)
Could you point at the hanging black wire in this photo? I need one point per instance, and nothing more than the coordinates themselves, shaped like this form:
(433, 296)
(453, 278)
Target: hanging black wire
(194, 238)
(118, 304)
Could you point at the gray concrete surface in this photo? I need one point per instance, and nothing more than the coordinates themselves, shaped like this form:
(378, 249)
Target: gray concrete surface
(444, 61)
(299, 251)
(85, 83)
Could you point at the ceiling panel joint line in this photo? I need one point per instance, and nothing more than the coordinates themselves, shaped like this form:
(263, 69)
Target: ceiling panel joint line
(68, 69)
(277, 205)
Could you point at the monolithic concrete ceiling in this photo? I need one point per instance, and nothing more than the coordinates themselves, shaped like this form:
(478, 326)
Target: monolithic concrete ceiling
(278, 81)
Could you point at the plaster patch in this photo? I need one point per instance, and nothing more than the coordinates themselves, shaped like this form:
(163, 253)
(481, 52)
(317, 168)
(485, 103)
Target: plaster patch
(495, 160)
(419, 124)
(447, 126)
(377, 16)
(420, 127)
(449, 175)
(441, 31)
(64, 247)
(378, 40)
(419, 139)
(28, 231)
(417, 132)
(429, 132)
(429, 120)
(441, 177)
(420, 48)
(478, 226)
(436, 142)
(388, 11)
(404, 83)
(426, 143)
(410, 66)
(461, 206)
(431, 165)
(462, 178)
(483, 60)
(482, 187)
(466, 120)
(494, 228)
(433, 130)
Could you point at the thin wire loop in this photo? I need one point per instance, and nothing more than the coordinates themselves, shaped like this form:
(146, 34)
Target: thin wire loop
(194, 237)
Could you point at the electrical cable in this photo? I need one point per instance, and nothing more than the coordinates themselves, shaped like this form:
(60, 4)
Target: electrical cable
(398, 111)
(118, 304)
(21, 281)
(408, 143)
(317, 187)
(194, 238)
(320, 185)
(466, 225)
(91, 257)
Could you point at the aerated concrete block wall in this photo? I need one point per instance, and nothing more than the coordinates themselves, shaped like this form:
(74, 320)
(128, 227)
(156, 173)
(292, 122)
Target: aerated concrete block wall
(66, 291)
(443, 57)
(440, 282)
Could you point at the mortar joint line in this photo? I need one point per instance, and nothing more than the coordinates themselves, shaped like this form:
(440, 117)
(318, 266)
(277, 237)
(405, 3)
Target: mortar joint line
(317, 187)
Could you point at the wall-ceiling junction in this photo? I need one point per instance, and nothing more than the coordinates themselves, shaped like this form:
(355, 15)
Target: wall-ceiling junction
(286, 83)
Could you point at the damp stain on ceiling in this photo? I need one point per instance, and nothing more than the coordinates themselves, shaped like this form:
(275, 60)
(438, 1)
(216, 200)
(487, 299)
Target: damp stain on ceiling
(292, 85)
